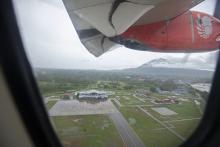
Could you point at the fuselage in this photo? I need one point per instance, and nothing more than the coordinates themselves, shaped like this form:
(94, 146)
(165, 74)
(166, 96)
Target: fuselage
(189, 32)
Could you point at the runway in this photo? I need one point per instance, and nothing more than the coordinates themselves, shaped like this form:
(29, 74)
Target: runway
(128, 135)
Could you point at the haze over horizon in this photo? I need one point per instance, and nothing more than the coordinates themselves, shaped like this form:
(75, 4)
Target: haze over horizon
(52, 42)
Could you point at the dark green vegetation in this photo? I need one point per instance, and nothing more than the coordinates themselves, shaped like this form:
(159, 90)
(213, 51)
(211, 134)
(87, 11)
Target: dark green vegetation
(87, 131)
(135, 90)
(56, 80)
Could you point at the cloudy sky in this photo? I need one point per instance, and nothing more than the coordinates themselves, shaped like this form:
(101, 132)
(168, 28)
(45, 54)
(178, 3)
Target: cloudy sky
(51, 41)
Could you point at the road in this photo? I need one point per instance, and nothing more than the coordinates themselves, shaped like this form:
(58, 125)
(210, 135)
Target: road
(128, 135)
(117, 102)
(179, 120)
(140, 99)
(46, 99)
(51, 98)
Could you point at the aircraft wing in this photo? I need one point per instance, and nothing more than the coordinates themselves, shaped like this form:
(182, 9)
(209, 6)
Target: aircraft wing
(94, 41)
(98, 20)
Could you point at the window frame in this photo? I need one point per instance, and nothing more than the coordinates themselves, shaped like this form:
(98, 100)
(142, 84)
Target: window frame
(29, 102)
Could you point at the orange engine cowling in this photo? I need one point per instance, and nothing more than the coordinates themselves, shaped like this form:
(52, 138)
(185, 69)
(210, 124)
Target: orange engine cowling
(189, 32)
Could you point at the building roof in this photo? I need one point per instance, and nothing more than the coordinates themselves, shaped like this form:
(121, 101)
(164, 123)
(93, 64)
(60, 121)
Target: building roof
(92, 91)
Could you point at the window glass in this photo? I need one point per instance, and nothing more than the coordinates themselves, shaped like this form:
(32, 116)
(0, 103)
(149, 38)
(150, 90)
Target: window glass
(124, 97)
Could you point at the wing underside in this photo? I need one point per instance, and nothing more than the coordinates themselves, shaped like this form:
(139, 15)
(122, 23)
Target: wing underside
(98, 20)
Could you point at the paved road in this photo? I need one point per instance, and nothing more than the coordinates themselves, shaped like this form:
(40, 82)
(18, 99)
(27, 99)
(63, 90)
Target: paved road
(140, 99)
(128, 135)
(186, 119)
(46, 100)
(138, 106)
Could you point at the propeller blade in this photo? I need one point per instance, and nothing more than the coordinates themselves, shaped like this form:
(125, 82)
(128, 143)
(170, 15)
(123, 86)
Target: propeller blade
(217, 10)
(186, 58)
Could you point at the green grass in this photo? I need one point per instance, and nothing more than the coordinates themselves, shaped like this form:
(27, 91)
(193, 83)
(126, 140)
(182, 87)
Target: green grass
(147, 129)
(87, 131)
(50, 104)
(185, 128)
(185, 110)
(129, 100)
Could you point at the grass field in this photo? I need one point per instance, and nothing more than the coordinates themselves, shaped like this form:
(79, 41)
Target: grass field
(185, 110)
(50, 104)
(185, 128)
(87, 131)
(185, 121)
(151, 132)
(129, 100)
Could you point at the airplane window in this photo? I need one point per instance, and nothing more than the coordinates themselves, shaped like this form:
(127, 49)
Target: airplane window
(121, 73)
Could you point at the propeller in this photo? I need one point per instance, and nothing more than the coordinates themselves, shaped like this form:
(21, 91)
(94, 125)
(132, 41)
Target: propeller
(217, 15)
(217, 10)
(186, 58)
(58, 4)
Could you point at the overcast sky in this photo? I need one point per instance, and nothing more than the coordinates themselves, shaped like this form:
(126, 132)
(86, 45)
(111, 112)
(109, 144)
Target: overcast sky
(51, 41)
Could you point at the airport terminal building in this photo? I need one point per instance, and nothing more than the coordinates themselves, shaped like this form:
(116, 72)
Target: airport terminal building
(92, 94)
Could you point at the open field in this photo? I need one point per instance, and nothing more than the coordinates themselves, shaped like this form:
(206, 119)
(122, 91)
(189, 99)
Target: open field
(129, 100)
(50, 104)
(185, 127)
(185, 110)
(87, 131)
(151, 132)
(164, 111)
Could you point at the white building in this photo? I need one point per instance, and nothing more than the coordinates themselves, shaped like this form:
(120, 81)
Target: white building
(92, 94)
